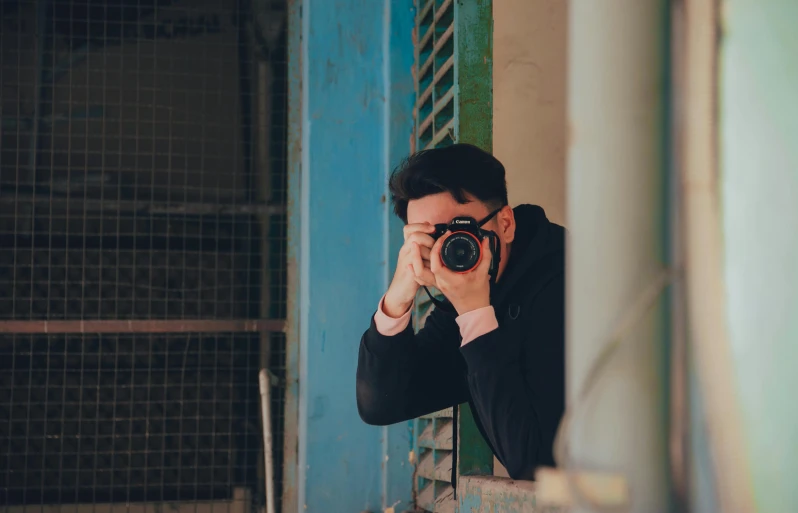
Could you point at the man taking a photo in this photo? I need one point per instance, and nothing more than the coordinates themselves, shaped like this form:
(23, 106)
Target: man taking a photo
(497, 341)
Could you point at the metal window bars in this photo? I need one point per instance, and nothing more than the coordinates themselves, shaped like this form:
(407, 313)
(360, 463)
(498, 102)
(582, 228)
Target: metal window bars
(143, 234)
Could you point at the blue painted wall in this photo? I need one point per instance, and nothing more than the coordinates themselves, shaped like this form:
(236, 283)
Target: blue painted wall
(356, 124)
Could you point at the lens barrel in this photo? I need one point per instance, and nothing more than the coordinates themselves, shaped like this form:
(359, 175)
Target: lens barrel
(461, 252)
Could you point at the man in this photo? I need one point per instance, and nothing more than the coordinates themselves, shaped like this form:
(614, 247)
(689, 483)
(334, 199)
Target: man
(497, 344)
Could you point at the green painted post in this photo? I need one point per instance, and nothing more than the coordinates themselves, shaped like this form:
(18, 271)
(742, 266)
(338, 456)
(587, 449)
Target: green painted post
(474, 114)
(454, 103)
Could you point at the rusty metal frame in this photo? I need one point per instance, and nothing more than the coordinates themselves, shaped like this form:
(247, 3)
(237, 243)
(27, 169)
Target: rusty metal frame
(148, 207)
(143, 326)
(291, 470)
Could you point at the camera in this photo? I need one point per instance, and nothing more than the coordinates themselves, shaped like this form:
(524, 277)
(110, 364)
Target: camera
(461, 251)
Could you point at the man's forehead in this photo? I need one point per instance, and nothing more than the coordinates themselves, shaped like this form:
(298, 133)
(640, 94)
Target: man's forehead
(435, 212)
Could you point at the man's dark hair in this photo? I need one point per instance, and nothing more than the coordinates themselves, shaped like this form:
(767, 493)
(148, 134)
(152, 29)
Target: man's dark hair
(460, 169)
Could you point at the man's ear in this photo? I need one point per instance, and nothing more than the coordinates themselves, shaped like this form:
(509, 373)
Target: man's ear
(506, 220)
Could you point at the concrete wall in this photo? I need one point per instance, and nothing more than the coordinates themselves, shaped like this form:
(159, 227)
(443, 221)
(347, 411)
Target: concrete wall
(617, 246)
(530, 45)
(529, 87)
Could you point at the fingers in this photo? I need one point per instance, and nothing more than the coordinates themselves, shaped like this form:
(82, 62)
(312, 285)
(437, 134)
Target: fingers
(426, 278)
(427, 282)
(416, 261)
(409, 229)
(423, 275)
(422, 239)
(425, 253)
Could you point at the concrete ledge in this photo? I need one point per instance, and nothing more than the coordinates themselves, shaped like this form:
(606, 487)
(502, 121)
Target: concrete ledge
(486, 494)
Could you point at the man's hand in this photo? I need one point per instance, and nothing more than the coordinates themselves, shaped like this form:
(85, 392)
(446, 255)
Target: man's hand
(412, 269)
(466, 292)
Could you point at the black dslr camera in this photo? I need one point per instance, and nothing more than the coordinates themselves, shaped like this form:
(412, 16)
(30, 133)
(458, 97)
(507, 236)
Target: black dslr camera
(461, 251)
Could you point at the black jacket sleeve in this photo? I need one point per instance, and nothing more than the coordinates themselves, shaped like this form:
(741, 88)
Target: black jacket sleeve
(517, 383)
(408, 375)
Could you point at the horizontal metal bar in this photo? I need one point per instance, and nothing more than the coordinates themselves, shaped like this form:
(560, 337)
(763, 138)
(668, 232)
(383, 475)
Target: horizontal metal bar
(144, 326)
(426, 37)
(442, 9)
(446, 504)
(426, 497)
(441, 134)
(438, 15)
(438, 45)
(440, 502)
(438, 75)
(438, 436)
(438, 11)
(441, 470)
(422, 13)
(436, 110)
(148, 207)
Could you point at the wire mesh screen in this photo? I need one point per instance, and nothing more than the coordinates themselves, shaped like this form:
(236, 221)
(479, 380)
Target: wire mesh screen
(117, 418)
(143, 263)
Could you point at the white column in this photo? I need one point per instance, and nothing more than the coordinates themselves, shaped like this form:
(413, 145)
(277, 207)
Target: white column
(616, 194)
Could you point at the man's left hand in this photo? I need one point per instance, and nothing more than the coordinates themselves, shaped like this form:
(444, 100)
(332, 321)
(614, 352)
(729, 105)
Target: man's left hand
(468, 291)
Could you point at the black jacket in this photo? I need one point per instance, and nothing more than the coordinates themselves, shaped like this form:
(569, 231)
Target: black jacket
(513, 377)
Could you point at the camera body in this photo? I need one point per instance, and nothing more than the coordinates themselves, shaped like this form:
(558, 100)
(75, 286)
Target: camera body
(461, 250)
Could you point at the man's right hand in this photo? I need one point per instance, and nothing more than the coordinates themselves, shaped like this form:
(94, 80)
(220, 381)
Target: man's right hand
(412, 270)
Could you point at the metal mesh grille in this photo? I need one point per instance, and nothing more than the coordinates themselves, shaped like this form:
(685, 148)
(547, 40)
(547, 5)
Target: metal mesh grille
(435, 74)
(143, 271)
(435, 121)
(116, 418)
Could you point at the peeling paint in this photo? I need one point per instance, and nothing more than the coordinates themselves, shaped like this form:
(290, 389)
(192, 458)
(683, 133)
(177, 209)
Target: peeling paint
(488, 494)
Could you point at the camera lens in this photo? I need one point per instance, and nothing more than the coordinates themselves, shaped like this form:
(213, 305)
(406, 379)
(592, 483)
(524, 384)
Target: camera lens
(460, 252)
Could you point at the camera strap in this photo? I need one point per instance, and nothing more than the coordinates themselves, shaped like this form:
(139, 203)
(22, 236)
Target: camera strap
(438, 303)
(495, 246)
(496, 256)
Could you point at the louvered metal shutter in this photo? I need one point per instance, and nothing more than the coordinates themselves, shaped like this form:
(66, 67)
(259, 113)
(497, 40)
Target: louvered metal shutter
(453, 77)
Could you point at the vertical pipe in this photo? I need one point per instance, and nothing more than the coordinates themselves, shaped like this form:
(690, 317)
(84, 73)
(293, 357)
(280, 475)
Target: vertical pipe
(262, 180)
(618, 239)
(679, 410)
(704, 258)
(266, 417)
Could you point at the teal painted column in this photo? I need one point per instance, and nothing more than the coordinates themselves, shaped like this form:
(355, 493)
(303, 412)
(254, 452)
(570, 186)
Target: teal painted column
(759, 188)
(354, 68)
